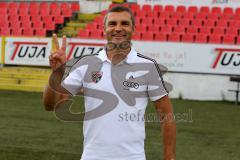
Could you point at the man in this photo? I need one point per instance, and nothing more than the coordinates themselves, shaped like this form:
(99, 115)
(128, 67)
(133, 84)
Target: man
(123, 80)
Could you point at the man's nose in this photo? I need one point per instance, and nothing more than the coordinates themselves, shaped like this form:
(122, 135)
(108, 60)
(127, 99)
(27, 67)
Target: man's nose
(118, 27)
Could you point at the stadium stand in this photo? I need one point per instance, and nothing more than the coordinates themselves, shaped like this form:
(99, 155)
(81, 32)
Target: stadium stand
(176, 23)
(180, 24)
(43, 17)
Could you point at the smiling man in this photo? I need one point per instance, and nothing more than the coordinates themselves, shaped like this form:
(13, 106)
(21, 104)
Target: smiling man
(117, 83)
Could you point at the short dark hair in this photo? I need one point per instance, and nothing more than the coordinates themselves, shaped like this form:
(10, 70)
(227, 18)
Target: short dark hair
(120, 8)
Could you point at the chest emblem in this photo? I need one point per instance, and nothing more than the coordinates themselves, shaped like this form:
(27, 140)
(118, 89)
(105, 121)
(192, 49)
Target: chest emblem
(96, 76)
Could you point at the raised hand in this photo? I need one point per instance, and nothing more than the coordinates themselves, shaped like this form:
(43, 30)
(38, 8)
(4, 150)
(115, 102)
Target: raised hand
(58, 55)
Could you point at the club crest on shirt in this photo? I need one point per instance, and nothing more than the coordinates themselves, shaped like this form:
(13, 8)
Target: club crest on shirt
(96, 76)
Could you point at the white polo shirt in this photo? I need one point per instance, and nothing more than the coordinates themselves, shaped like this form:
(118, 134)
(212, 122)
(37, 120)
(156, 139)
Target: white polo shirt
(115, 98)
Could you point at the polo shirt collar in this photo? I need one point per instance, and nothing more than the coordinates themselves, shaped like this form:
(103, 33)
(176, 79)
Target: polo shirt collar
(131, 57)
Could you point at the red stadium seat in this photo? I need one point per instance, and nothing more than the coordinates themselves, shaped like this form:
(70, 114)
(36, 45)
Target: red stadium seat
(160, 37)
(234, 23)
(53, 6)
(222, 23)
(201, 38)
(66, 12)
(64, 5)
(37, 24)
(213, 16)
(15, 24)
(219, 30)
(137, 36)
(59, 19)
(141, 14)
(164, 15)
(232, 31)
(229, 39)
(205, 30)
(47, 19)
(12, 5)
(147, 36)
(216, 10)
(238, 40)
(5, 31)
(188, 37)
(237, 11)
(23, 5)
(166, 29)
(135, 7)
(176, 15)
(159, 21)
(154, 28)
(153, 14)
(228, 10)
(138, 21)
(3, 11)
(172, 22)
(148, 21)
(3, 4)
(226, 16)
(92, 26)
(209, 23)
(26, 24)
(55, 12)
(96, 34)
(188, 15)
(75, 7)
(204, 9)
(179, 29)
(158, 8)
(174, 37)
(13, 18)
(192, 9)
(169, 8)
(16, 32)
(197, 22)
(201, 16)
(193, 29)
(181, 9)
(146, 8)
(27, 32)
(184, 22)
(141, 28)
(24, 18)
(215, 38)
(40, 32)
(50, 26)
(36, 19)
(23, 12)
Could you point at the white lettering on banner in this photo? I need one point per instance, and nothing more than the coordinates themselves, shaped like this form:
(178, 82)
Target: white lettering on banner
(227, 58)
(78, 49)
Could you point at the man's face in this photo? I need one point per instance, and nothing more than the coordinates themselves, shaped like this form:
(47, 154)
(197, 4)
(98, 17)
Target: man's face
(118, 27)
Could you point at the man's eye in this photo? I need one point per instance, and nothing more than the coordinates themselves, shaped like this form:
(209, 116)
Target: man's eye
(111, 24)
(125, 23)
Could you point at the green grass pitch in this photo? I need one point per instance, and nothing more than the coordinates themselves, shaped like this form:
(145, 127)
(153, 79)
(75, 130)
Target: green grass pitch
(27, 132)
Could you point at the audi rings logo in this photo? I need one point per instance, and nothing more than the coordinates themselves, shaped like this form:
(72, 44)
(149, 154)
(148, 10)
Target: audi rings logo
(131, 84)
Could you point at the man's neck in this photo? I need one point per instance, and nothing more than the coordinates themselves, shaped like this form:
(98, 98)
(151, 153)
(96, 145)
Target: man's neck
(117, 56)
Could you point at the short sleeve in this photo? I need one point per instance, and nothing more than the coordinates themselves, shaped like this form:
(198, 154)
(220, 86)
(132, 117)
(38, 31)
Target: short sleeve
(73, 82)
(156, 88)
